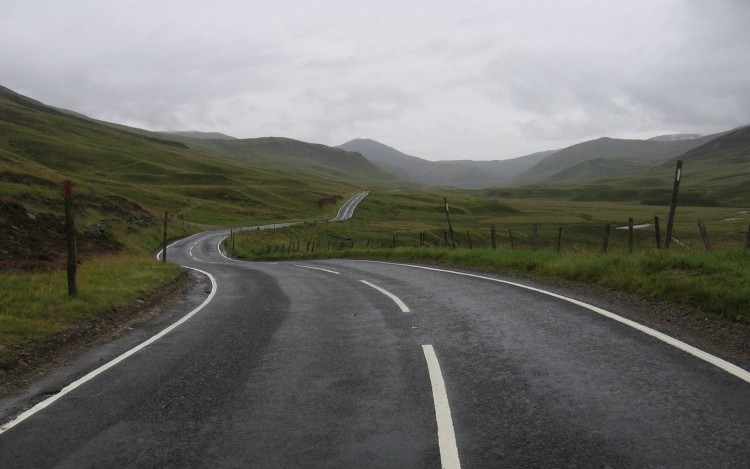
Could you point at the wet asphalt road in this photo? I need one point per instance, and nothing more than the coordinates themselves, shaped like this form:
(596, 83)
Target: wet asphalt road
(301, 364)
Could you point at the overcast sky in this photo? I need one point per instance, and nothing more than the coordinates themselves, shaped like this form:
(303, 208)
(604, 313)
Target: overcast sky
(438, 79)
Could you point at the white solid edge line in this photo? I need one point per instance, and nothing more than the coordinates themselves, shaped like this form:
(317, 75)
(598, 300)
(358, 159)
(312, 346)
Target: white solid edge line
(397, 300)
(446, 435)
(696, 352)
(218, 248)
(91, 375)
(316, 268)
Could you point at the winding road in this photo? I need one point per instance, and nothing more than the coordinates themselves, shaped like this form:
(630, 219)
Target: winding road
(347, 363)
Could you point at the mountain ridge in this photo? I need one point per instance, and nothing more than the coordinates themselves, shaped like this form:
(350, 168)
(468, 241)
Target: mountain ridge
(458, 173)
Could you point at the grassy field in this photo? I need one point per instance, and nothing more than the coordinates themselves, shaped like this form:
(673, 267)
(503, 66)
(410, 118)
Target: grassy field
(36, 304)
(391, 225)
(420, 215)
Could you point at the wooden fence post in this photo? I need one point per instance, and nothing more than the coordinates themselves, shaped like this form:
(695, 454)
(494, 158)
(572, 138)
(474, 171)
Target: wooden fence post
(535, 236)
(630, 235)
(450, 226)
(747, 239)
(493, 239)
(657, 232)
(673, 204)
(70, 236)
(468, 235)
(559, 238)
(704, 234)
(164, 244)
(510, 234)
(605, 241)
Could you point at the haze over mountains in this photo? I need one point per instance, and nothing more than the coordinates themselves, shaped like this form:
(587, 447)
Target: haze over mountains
(724, 157)
(601, 158)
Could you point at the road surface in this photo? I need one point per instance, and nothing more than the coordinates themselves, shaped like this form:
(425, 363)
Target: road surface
(346, 363)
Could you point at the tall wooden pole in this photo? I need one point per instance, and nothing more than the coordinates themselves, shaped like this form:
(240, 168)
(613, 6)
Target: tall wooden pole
(704, 234)
(631, 235)
(70, 236)
(450, 226)
(605, 239)
(164, 243)
(657, 232)
(673, 204)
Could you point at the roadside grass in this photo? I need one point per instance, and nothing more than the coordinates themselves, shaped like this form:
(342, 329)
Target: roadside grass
(710, 285)
(390, 225)
(36, 304)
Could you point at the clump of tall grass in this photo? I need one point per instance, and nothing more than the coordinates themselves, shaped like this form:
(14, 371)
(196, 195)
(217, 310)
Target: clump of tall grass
(34, 304)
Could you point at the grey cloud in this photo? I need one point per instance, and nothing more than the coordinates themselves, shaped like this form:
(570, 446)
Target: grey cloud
(476, 79)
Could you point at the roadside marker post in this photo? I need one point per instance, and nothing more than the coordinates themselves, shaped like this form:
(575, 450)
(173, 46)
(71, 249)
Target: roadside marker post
(673, 204)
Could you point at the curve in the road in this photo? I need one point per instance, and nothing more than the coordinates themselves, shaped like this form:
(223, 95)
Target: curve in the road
(696, 352)
(345, 213)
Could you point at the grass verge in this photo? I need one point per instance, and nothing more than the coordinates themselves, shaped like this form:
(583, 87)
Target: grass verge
(709, 285)
(35, 305)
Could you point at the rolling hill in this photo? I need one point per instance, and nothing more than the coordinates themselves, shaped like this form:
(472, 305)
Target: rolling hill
(716, 173)
(294, 156)
(606, 157)
(124, 180)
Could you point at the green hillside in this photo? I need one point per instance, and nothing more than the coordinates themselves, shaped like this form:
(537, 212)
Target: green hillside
(606, 157)
(716, 173)
(301, 157)
(124, 182)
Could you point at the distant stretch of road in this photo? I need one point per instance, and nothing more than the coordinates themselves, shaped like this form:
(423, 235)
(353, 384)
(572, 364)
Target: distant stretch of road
(347, 210)
(352, 363)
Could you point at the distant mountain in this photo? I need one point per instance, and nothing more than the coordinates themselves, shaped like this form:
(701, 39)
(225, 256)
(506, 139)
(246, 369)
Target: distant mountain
(478, 174)
(715, 173)
(201, 135)
(606, 157)
(459, 173)
(388, 158)
(675, 137)
(733, 146)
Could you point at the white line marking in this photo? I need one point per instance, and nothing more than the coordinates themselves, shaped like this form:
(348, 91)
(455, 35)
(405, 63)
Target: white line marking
(91, 375)
(317, 268)
(218, 248)
(390, 295)
(696, 352)
(446, 435)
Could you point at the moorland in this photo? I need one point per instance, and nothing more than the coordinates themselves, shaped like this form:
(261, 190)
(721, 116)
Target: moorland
(543, 216)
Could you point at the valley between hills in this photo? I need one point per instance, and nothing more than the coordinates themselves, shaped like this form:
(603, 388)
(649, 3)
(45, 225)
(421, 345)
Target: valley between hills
(126, 180)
